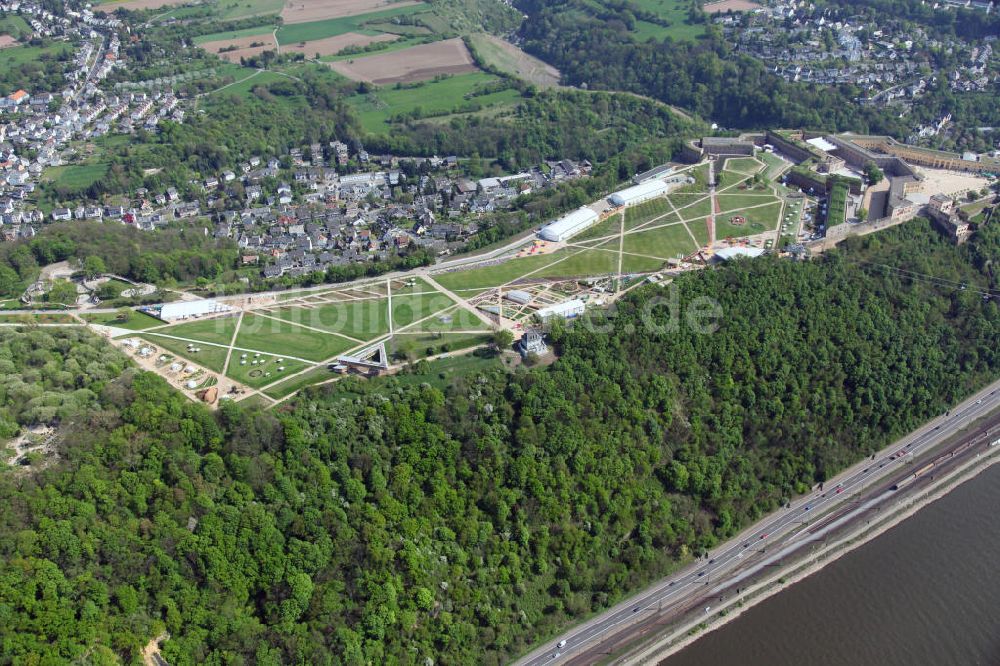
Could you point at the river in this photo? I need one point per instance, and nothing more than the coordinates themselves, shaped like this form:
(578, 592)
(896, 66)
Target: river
(925, 593)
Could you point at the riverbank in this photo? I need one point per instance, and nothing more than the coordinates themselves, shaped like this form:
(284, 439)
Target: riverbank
(697, 626)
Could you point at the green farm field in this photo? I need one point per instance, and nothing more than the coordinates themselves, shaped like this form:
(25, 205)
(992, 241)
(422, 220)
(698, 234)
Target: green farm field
(306, 32)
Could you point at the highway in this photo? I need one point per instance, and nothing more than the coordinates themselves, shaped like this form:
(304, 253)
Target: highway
(744, 556)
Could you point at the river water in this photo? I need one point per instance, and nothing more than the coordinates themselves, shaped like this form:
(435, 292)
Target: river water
(925, 593)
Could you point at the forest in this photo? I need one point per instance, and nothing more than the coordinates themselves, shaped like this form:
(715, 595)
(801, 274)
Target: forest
(393, 522)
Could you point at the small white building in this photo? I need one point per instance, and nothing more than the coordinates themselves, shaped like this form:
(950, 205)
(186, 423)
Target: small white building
(569, 225)
(639, 193)
(518, 296)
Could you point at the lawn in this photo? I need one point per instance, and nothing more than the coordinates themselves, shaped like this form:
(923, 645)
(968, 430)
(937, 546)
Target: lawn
(700, 230)
(692, 207)
(836, 212)
(280, 337)
(646, 211)
(218, 330)
(666, 242)
(674, 12)
(633, 264)
(608, 227)
(582, 263)
(264, 372)
(775, 165)
(362, 319)
(137, 321)
(209, 356)
(747, 166)
(422, 343)
(443, 372)
(455, 319)
(375, 110)
(316, 375)
(729, 202)
(495, 275)
(408, 309)
(228, 10)
(250, 79)
(19, 55)
(15, 26)
(294, 33)
(758, 220)
(77, 176)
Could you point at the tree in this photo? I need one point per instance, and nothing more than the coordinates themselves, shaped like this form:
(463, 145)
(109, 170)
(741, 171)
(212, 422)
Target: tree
(123, 315)
(93, 266)
(862, 214)
(502, 339)
(62, 291)
(873, 173)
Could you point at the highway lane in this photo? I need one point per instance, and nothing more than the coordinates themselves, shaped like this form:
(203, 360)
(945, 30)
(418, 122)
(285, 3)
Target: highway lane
(731, 563)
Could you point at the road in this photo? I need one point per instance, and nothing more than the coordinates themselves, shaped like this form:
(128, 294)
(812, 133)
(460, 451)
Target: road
(744, 555)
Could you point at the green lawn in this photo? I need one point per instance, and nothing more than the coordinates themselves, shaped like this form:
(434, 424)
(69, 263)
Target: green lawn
(229, 10)
(218, 330)
(455, 319)
(407, 309)
(15, 26)
(758, 220)
(19, 55)
(633, 264)
(700, 230)
(692, 206)
(673, 11)
(375, 110)
(294, 33)
(280, 337)
(583, 263)
(249, 79)
(728, 202)
(646, 211)
(608, 227)
(665, 242)
(264, 372)
(77, 176)
(744, 165)
(137, 321)
(836, 212)
(775, 165)
(209, 356)
(493, 276)
(422, 343)
(362, 319)
(314, 376)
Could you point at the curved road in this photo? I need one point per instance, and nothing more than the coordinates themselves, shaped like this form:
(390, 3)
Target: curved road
(726, 565)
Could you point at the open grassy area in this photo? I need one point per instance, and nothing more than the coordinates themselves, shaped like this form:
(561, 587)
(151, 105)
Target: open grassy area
(248, 79)
(316, 375)
(608, 227)
(758, 220)
(775, 165)
(669, 242)
(361, 319)
(423, 343)
(218, 330)
(30, 319)
(450, 95)
(77, 176)
(508, 58)
(209, 356)
(15, 26)
(262, 30)
(692, 206)
(408, 309)
(265, 371)
(492, 276)
(229, 10)
(137, 321)
(836, 212)
(635, 264)
(675, 13)
(743, 165)
(455, 319)
(728, 202)
(280, 337)
(306, 32)
(646, 211)
(699, 228)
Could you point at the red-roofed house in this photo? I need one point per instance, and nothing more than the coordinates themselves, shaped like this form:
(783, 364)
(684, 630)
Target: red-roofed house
(20, 97)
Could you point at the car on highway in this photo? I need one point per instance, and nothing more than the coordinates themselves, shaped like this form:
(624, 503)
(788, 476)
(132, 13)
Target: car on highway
(979, 402)
(764, 535)
(561, 644)
(700, 574)
(840, 489)
(807, 508)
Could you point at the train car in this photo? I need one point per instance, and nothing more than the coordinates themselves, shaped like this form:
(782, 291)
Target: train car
(913, 477)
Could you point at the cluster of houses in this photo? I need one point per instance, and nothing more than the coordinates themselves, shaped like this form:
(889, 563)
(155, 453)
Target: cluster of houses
(298, 215)
(37, 128)
(803, 42)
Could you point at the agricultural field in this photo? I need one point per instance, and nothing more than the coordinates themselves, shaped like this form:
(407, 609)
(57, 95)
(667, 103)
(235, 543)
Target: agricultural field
(331, 46)
(307, 32)
(246, 47)
(723, 6)
(308, 11)
(231, 10)
(454, 94)
(417, 63)
(6, 42)
(506, 57)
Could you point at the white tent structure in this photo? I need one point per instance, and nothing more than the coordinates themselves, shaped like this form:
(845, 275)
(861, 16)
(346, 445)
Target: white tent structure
(569, 225)
(566, 310)
(185, 309)
(639, 193)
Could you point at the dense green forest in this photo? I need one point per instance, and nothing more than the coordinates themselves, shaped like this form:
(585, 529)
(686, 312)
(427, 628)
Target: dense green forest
(389, 522)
